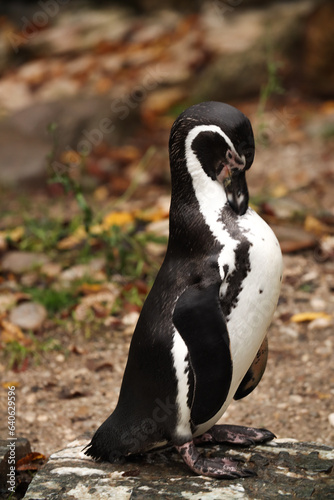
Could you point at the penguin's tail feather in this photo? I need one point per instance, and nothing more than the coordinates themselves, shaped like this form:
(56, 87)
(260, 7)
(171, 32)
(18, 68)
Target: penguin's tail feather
(108, 443)
(120, 436)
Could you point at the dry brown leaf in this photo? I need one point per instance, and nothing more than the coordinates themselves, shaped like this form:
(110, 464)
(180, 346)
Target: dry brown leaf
(309, 316)
(90, 301)
(12, 333)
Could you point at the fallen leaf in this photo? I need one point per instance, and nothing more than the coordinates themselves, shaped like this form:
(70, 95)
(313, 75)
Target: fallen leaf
(90, 301)
(89, 288)
(279, 191)
(32, 461)
(13, 234)
(151, 215)
(76, 349)
(10, 383)
(73, 240)
(309, 316)
(101, 193)
(7, 300)
(71, 393)
(117, 219)
(12, 333)
(315, 226)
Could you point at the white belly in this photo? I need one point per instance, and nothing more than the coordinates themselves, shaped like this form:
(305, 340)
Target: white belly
(249, 320)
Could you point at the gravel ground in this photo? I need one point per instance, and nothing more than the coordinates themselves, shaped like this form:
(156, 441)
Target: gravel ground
(64, 397)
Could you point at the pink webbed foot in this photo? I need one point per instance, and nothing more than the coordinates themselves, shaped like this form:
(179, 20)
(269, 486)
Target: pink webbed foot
(235, 434)
(222, 468)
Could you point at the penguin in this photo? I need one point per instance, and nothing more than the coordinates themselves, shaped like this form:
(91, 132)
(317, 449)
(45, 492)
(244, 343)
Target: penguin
(200, 340)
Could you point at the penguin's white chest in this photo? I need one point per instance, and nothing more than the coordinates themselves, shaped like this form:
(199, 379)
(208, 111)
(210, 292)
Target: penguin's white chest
(258, 293)
(252, 290)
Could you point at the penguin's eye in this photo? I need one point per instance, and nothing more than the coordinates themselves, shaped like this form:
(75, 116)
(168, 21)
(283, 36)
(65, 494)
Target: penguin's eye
(229, 155)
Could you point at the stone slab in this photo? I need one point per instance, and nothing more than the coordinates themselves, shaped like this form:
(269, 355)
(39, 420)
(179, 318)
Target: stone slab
(22, 448)
(284, 468)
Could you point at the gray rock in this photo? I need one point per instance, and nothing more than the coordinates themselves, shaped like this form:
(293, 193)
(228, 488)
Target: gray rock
(242, 73)
(22, 448)
(22, 156)
(28, 315)
(82, 123)
(20, 262)
(284, 467)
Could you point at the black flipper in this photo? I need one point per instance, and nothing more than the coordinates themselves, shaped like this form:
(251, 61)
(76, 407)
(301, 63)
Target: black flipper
(199, 320)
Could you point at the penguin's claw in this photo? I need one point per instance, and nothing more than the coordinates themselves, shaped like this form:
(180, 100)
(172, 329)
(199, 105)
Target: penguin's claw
(220, 468)
(236, 434)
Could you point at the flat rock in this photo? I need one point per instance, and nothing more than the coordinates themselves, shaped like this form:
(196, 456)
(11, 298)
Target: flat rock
(28, 315)
(283, 467)
(22, 448)
(20, 262)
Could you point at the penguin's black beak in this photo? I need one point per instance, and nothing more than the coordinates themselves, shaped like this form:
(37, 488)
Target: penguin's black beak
(234, 182)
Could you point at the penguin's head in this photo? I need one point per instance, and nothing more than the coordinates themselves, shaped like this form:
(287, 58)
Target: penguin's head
(220, 138)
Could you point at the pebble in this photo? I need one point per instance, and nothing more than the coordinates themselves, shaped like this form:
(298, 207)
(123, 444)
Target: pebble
(20, 262)
(51, 269)
(80, 271)
(60, 358)
(131, 318)
(317, 304)
(28, 315)
(29, 416)
(320, 323)
(42, 418)
(295, 398)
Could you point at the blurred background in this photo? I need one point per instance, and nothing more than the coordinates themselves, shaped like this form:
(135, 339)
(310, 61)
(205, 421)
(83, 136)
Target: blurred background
(88, 93)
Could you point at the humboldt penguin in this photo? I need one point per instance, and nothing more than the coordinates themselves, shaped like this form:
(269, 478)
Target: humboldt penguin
(200, 340)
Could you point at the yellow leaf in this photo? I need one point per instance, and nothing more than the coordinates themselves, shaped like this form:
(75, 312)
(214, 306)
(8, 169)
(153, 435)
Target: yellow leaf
(13, 234)
(70, 157)
(101, 193)
(117, 219)
(279, 191)
(151, 216)
(323, 395)
(315, 226)
(309, 316)
(11, 332)
(10, 383)
(73, 240)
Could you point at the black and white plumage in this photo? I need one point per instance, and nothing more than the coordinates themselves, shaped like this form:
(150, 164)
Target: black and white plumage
(200, 340)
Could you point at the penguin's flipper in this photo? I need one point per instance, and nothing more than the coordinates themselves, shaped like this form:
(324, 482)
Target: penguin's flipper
(254, 373)
(235, 434)
(199, 319)
(223, 468)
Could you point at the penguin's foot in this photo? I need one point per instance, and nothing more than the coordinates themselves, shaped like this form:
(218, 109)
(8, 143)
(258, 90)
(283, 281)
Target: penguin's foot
(235, 434)
(222, 468)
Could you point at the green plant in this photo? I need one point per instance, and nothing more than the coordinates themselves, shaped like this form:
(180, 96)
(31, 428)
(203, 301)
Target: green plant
(65, 174)
(16, 352)
(53, 300)
(271, 88)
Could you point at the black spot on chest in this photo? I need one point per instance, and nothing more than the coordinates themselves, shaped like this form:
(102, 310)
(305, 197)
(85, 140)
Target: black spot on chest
(236, 278)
